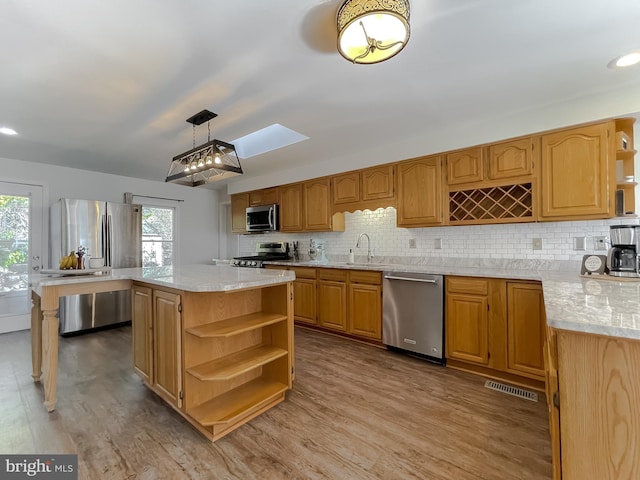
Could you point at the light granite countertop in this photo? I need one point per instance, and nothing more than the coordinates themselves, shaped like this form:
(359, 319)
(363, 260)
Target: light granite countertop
(191, 278)
(603, 306)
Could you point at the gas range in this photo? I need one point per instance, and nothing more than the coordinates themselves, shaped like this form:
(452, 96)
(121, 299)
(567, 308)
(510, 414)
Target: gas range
(265, 252)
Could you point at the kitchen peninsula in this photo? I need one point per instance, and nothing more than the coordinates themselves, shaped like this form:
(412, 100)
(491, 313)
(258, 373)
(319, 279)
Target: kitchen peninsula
(215, 342)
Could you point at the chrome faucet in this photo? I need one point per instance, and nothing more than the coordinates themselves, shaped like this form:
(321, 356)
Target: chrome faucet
(369, 249)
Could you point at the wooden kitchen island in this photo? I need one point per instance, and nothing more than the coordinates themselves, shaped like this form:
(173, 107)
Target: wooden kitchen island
(215, 342)
(592, 357)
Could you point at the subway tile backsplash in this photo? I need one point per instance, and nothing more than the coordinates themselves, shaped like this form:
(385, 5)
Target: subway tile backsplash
(509, 241)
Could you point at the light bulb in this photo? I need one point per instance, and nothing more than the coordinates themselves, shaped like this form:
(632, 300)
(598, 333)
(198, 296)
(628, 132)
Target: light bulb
(193, 165)
(209, 161)
(217, 159)
(200, 162)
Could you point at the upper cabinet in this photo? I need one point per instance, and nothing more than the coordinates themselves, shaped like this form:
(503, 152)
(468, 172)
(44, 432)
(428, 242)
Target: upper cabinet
(306, 206)
(420, 192)
(346, 188)
(239, 204)
(369, 188)
(492, 184)
(510, 159)
(316, 203)
(578, 173)
(266, 196)
(291, 208)
(465, 166)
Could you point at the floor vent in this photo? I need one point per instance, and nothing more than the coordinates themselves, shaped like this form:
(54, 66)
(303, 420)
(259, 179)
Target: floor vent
(511, 390)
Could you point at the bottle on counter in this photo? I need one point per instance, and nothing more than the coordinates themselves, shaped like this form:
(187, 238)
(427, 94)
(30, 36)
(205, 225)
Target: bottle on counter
(352, 258)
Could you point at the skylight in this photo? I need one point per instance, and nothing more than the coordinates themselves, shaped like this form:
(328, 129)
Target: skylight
(265, 140)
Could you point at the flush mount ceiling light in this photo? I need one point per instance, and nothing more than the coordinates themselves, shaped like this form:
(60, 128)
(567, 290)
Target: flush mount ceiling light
(372, 31)
(213, 161)
(625, 60)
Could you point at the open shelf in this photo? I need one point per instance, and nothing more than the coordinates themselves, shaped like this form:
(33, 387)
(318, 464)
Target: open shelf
(237, 363)
(234, 404)
(236, 325)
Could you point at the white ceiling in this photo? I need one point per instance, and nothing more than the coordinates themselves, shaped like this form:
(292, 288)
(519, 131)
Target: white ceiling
(107, 85)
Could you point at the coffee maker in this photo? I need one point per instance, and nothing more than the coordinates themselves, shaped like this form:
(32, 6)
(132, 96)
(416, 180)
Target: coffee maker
(622, 259)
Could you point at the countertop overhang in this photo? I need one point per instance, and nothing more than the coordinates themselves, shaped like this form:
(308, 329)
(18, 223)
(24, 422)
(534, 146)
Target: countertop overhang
(190, 278)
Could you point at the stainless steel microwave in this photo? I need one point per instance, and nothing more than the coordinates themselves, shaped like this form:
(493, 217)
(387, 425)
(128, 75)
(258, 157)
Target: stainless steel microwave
(263, 218)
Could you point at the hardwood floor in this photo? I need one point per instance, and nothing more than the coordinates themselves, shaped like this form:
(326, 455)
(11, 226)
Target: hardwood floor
(356, 412)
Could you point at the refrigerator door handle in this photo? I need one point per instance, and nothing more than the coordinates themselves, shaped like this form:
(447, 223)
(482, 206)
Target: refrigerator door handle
(103, 235)
(108, 256)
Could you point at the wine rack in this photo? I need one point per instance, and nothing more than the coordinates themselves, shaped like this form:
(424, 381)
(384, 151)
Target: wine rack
(501, 204)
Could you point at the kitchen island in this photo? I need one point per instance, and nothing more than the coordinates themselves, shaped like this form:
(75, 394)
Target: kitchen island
(215, 342)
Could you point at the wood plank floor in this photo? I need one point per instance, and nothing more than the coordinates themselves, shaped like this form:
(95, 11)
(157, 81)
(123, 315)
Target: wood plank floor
(356, 412)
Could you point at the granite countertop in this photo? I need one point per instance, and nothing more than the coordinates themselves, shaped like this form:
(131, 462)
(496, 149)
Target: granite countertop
(191, 278)
(600, 305)
(434, 269)
(603, 306)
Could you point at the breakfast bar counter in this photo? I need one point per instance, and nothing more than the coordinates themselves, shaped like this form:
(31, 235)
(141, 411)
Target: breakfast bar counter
(215, 342)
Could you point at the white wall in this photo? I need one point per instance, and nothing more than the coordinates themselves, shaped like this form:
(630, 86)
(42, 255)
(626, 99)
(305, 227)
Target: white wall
(510, 241)
(197, 214)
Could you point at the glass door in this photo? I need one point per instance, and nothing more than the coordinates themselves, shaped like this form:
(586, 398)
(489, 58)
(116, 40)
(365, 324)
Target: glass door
(21, 231)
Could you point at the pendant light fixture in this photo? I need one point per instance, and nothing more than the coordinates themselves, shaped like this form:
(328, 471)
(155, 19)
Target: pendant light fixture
(372, 31)
(213, 161)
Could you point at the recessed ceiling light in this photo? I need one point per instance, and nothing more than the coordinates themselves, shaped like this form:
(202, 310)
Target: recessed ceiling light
(625, 60)
(8, 131)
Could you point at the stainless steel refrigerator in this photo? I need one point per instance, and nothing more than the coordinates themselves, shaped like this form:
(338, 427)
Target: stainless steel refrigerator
(109, 230)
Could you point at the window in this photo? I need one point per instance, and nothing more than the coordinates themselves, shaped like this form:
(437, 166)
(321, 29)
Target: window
(157, 236)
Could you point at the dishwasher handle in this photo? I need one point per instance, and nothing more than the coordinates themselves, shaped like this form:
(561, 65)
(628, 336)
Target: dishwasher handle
(421, 280)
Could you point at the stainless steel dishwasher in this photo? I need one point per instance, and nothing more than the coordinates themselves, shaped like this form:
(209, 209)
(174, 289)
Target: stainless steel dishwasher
(413, 313)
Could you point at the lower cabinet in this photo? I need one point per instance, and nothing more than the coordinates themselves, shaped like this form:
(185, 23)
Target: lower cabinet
(304, 296)
(332, 299)
(167, 343)
(365, 304)
(496, 327)
(593, 396)
(340, 300)
(142, 331)
(219, 358)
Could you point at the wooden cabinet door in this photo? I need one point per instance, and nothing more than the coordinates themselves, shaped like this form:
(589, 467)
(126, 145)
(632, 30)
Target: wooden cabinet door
(525, 329)
(142, 331)
(167, 359)
(304, 300)
(467, 328)
(332, 305)
(266, 196)
(291, 208)
(465, 166)
(316, 195)
(239, 204)
(575, 175)
(365, 310)
(346, 188)
(420, 192)
(510, 159)
(378, 182)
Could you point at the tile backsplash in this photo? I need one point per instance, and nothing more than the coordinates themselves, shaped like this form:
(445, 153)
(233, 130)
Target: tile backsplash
(509, 241)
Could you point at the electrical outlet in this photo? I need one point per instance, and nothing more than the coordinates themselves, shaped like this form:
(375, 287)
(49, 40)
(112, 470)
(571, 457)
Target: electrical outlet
(599, 243)
(579, 243)
(537, 244)
(412, 243)
(437, 244)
